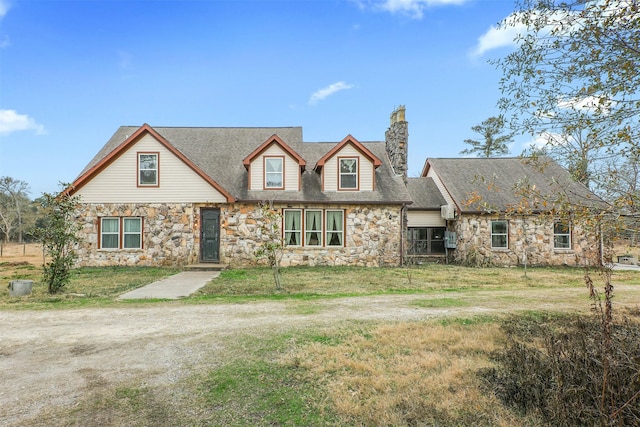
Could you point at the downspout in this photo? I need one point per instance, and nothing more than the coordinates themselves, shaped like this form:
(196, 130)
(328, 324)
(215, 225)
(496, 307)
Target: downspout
(402, 233)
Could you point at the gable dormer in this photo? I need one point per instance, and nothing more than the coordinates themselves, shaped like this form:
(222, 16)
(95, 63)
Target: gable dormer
(274, 166)
(348, 166)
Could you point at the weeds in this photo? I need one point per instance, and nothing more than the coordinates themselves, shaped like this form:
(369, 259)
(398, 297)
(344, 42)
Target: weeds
(553, 366)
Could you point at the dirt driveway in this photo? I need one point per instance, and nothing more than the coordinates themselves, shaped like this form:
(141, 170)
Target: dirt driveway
(53, 358)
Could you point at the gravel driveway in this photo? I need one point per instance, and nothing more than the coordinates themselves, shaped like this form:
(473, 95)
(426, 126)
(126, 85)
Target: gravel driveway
(52, 358)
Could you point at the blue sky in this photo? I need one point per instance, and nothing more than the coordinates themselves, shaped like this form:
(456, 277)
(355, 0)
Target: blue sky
(72, 71)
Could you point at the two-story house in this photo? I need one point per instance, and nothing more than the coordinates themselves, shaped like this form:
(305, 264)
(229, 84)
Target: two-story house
(180, 196)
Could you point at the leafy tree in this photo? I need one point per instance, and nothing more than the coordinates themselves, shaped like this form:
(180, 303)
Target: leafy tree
(13, 201)
(58, 234)
(574, 80)
(272, 244)
(493, 143)
(575, 72)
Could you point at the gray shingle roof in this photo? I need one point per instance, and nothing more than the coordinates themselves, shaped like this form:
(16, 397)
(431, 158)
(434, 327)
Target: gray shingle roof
(425, 194)
(495, 181)
(219, 152)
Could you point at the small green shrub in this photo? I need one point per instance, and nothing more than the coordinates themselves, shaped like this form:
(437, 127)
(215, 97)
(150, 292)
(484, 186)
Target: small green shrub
(554, 367)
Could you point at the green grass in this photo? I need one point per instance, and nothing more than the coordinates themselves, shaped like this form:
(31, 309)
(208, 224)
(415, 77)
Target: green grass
(101, 286)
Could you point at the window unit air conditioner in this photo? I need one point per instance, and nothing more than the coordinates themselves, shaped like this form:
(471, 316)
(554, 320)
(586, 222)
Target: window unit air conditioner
(448, 211)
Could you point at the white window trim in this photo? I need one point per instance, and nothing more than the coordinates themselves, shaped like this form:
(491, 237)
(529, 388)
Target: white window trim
(506, 234)
(320, 231)
(129, 233)
(341, 174)
(156, 170)
(103, 233)
(281, 173)
(297, 230)
(121, 232)
(327, 230)
(555, 235)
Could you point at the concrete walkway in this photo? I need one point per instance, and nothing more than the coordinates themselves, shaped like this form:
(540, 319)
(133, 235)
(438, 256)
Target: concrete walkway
(173, 287)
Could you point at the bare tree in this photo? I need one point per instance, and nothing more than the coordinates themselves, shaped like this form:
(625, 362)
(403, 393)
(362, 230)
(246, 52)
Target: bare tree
(13, 199)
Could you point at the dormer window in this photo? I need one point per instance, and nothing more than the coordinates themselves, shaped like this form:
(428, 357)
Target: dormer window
(148, 169)
(348, 173)
(274, 172)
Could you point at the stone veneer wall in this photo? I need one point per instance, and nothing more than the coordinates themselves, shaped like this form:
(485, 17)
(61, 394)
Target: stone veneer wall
(168, 237)
(533, 234)
(171, 236)
(372, 237)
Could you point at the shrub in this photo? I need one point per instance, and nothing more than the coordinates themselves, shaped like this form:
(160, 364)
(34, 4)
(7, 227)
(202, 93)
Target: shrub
(554, 367)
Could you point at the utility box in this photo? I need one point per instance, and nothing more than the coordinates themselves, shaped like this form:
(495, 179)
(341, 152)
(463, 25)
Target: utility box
(448, 211)
(450, 239)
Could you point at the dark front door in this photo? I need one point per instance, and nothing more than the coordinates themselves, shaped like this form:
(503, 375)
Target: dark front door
(210, 235)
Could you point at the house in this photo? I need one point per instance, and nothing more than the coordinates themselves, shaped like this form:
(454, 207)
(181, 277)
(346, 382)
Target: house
(180, 196)
(491, 215)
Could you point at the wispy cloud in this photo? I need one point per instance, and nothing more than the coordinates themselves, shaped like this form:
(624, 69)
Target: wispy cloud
(11, 121)
(497, 37)
(323, 93)
(4, 8)
(413, 8)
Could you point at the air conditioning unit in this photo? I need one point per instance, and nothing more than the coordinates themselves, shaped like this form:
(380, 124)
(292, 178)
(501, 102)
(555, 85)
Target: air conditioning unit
(448, 211)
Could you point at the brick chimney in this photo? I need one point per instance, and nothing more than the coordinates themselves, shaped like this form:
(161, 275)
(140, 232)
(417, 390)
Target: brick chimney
(396, 142)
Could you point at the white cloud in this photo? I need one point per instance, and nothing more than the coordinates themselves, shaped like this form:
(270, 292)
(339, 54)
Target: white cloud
(412, 8)
(4, 8)
(323, 93)
(10, 121)
(511, 28)
(496, 38)
(588, 103)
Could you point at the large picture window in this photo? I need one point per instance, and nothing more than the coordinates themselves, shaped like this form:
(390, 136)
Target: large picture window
(561, 235)
(274, 172)
(148, 169)
(120, 233)
(499, 234)
(313, 228)
(293, 227)
(348, 173)
(335, 228)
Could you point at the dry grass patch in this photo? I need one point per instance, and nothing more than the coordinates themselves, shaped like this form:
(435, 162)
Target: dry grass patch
(410, 374)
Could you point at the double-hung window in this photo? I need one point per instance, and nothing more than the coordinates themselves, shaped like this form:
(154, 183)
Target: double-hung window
(335, 228)
(561, 235)
(110, 233)
(274, 172)
(499, 234)
(348, 173)
(148, 170)
(293, 227)
(121, 233)
(313, 227)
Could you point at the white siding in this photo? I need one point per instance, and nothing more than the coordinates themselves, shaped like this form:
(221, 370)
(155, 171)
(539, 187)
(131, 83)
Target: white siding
(117, 183)
(291, 170)
(365, 169)
(424, 219)
(440, 185)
